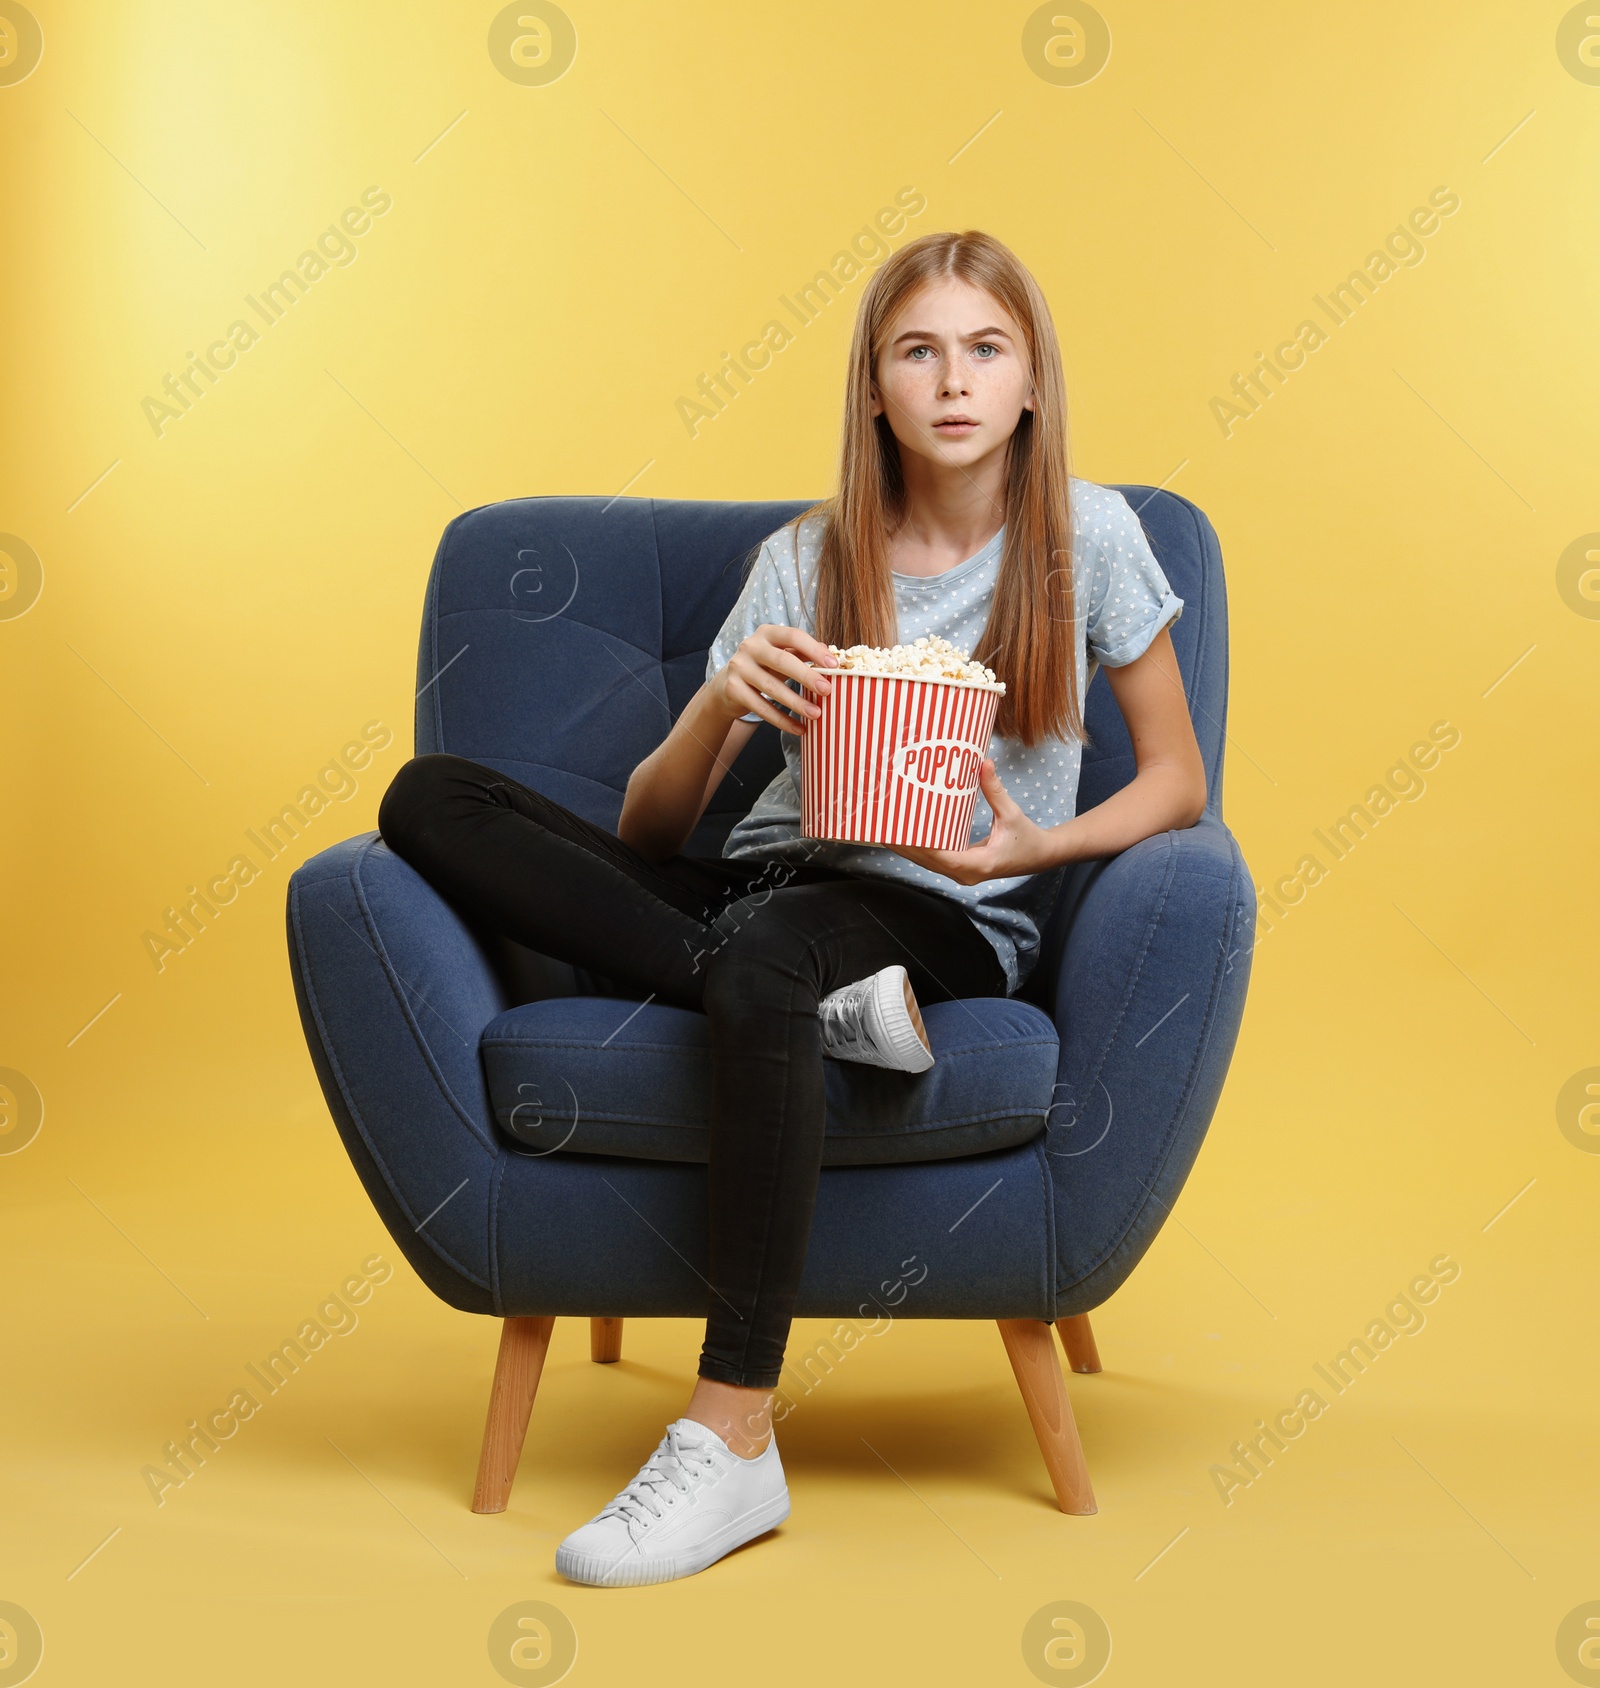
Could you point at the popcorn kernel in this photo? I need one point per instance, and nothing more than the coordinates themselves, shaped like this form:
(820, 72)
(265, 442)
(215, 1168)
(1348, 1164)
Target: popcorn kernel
(926, 658)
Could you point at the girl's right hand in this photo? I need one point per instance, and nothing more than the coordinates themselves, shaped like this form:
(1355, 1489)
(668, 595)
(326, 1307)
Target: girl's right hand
(756, 673)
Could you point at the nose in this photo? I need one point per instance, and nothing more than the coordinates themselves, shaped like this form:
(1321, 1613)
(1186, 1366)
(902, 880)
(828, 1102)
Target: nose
(954, 380)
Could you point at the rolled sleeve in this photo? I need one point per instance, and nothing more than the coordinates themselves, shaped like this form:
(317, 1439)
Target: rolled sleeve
(1135, 644)
(1131, 599)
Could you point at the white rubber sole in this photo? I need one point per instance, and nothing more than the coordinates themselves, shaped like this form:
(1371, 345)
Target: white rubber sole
(900, 1036)
(917, 1053)
(637, 1570)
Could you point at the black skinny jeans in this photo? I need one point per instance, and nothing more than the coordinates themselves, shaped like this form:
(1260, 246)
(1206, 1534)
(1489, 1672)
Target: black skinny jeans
(754, 944)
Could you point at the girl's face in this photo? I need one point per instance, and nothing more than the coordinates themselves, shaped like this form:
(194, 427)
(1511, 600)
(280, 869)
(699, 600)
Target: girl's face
(952, 376)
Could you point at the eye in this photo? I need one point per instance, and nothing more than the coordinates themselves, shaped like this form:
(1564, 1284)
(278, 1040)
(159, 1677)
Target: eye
(988, 345)
(915, 349)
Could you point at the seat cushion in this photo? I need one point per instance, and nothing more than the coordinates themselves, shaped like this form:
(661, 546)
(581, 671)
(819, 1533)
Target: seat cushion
(602, 1076)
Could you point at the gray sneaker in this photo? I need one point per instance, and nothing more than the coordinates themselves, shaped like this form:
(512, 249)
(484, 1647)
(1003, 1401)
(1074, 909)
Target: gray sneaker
(876, 1021)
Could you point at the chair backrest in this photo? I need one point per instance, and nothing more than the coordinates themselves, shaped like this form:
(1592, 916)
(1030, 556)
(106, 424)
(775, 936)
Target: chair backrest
(561, 637)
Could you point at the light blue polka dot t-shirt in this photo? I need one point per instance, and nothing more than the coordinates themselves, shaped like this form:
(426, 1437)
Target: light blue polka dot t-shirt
(1123, 601)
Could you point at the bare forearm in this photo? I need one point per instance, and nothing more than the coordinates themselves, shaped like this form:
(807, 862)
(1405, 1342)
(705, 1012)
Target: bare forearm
(666, 792)
(1158, 797)
(1168, 791)
(669, 790)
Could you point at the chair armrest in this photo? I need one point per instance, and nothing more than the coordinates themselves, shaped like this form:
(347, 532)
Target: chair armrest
(394, 991)
(1148, 999)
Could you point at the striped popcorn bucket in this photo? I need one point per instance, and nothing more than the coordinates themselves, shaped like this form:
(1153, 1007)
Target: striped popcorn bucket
(894, 759)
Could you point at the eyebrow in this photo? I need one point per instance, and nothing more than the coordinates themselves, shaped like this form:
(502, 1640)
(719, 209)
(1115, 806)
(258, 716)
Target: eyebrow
(928, 334)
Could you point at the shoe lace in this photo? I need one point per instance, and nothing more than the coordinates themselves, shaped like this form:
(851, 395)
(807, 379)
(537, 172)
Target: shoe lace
(671, 1470)
(841, 1016)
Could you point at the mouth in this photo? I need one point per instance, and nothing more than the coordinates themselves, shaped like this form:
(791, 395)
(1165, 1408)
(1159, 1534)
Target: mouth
(954, 425)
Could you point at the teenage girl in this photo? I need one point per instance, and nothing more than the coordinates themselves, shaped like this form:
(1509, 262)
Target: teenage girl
(955, 515)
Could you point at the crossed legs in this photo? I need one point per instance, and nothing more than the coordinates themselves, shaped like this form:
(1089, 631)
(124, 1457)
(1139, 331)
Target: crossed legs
(754, 944)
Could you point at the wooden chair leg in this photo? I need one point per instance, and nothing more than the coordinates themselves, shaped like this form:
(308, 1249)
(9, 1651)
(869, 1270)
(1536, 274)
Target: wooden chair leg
(605, 1341)
(1032, 1352)
(523, 1345)
(1078, 1340)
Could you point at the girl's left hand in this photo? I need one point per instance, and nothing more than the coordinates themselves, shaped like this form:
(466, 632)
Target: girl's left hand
(1015, 845)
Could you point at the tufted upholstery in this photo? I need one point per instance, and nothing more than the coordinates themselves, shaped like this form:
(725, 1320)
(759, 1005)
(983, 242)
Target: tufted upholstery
(560, 638)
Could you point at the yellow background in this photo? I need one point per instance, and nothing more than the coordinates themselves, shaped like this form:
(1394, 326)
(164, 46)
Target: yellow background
(236, 598)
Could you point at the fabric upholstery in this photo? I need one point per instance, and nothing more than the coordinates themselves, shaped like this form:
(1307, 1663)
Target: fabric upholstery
(560, 638)
(608, 1077)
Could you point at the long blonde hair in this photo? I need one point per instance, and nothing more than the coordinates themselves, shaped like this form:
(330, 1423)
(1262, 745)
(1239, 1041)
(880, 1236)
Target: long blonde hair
(1029, 639)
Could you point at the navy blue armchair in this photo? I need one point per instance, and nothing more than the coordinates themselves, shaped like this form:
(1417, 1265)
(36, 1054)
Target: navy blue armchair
(536, 1144)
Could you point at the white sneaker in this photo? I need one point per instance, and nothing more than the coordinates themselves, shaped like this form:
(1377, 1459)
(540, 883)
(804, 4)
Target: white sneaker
(693, 1501)
(876, 1021)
